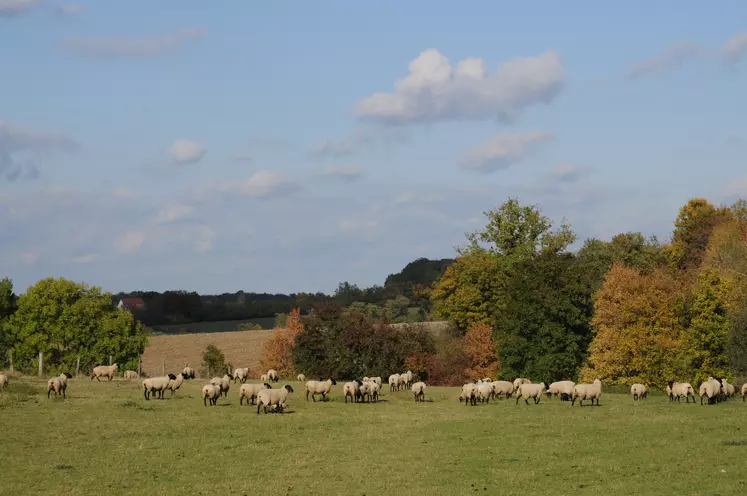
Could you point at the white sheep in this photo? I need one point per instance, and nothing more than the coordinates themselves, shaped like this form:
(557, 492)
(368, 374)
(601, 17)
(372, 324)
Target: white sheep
(240, 374)
(351, 390)
(402, 382)
(393, 382)
(679, 389)
(211, 393)
(408, 377)
(272, 375)
(107, 371)
(319, 387)
(487, 379)
(377, 380)
(3, 381)
(527, 391)
(175, 384)
(374, 390)
(418, 390)
(583, 392)
(156, 384)
(274, 397)
(710, 389)
(564, 389)
(301, 378)
(469, 394)
(188, 372)
(502, 388)
(638, 391)
(519, 381)
(484, 391)
(58, 384)
(131, 374)
(223, 382)
(366, 391)
(727, 389)
(250, 392)
(264, 378)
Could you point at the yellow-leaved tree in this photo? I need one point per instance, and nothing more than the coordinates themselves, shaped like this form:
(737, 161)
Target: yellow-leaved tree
(278, 351)
(479, 348)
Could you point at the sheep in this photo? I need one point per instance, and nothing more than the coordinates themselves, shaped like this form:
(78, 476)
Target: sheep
(502, 388)
(710, 389)
(223, 382)
(365, 390)
(240, 374)
(156, 384)
(175, 384)
(402, 382)
(418, 390)
(58, 384)
(319, 387)
(583, 392)
(469, 394)
(377, 380)
(3, 381)
(264, 378)
(393, 382)
(211, 393)
(250, 392)
(744, 391)
(351, 390)
(519, 381)
(638, 391)
(188, 372)
(366, 379)
(679, 389)
(408, 378)
(527, 391)
(273, 397)
(487, 379)
(272, 375)
(483, 391)
(374, 389)
(301, 378)
(727, 389)
(131, 374)
(564, 389)
(107, 371)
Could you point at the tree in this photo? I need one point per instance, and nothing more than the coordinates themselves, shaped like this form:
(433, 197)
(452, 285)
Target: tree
(66, 320)
(7, 308)
(637, 330)
(277, 352)
(213, 361)
(631, 248)
(693, 228)
(479, 347)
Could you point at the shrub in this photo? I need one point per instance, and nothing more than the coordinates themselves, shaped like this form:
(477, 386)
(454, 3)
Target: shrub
(213, 361)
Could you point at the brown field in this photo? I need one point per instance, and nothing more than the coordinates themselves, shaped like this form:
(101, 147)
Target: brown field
(242, 348)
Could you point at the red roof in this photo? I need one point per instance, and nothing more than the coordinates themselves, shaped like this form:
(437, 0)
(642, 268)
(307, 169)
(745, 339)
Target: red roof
(132, 302)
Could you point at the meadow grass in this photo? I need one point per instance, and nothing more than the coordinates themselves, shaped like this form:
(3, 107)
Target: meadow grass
(105, 438)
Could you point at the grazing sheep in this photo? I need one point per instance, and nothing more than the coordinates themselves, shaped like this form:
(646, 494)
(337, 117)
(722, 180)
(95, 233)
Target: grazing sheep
(131, 374)
(402, 382)
(319, 387)
(527, 391)
(211, 393)
(58, 384)
(272, 375)
(583, 392)
(107, 371)
(3, 381)
(710, 389)
(469, 394)
(727, 389)
(351, 390)
(487, 379)
(408, 378)
(274, 397)
(744, 391)
(519, 381)
(564, 389)
(502, 388)
(365, 391)
(418, 390)
(250, 392)
(241, 374)
(264, 378)
(223, 382)
(188, 372)
(679, 389)
(156, 384)
(301, 378)
(484, 391)
(377, 380)
(638, 391)
(374, 390)
(175, 384)
(393, 382)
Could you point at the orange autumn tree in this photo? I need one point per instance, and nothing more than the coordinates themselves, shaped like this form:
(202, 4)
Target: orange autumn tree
(278, 351)
(479, 348)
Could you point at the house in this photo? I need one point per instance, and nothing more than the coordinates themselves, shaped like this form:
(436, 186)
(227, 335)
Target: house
(131, 304)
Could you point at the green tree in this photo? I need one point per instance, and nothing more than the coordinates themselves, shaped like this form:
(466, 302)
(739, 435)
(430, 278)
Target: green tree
(7, 308)
(213, 361)
(692, 231)
(66, 320)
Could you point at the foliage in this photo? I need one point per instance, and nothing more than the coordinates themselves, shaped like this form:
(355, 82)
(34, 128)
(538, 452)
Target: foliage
(479, 348)
(445, 367)
(7, 308)
(693, 227)
(346, 345)
(66, 320)
(248, 326)
(637, 332)
(278, 351)
(213, 361)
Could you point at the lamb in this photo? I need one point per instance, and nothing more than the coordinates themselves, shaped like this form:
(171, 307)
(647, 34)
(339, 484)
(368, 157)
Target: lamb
(175, 384)
(319, 387)
(301, 378)
(250, 392)
(583, 392)
(210, 392)
(273, 397)
(223, 382)
(418, 390)
(710, 389)
(3, 381)
(131, 374)
(156, 384)
(241, 374)
(469, 394)
(484, 391)
(188, 372)
(502, 388)
(638, 391)
(679, 389)
(564, 389)
(107, 371)
(351, 390)
(272, 375)
(527, 391)
(519, 381)
(393, 382)
(58, 384)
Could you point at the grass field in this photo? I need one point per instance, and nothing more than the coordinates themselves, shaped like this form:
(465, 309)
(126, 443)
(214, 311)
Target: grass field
(105, 438)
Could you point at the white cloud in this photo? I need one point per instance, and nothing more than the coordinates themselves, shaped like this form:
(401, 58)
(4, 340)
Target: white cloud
(16, 143)
(71, 9)
(130, 242)
(133, 47)
(186, 152)
(343, 172)
(669, 59)
(262, 183)
(9, 8)
(361, 138)
(204, 240)
(567, 173)
(172, 213)
(90, 257)
(735, 48)
(434, 91)
(503, 150)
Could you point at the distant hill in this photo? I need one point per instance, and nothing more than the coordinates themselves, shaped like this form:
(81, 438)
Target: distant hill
(418, 273)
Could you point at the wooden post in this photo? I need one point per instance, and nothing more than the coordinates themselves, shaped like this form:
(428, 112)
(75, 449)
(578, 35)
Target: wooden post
(163, 367)
(41, 364)
(110, 359)
(77, 367)
(11, 362)
(139, 365)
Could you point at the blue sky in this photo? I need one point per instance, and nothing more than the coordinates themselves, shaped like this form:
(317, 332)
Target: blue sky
(287, 146)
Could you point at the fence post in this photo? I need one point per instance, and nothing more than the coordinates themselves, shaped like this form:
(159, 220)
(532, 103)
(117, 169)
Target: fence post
(163, 367)
(139, 365)
(110, 359)
(41, 363)
(77, 367)
(11, 362)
